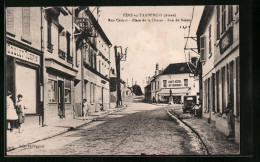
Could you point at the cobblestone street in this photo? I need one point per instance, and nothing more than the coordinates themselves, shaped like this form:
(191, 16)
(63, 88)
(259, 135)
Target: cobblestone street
(138, 129)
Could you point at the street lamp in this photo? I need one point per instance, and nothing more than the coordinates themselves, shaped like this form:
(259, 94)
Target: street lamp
(119, 57)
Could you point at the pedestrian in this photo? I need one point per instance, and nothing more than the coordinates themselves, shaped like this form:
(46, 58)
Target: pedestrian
(20, 108)
(11, 113)
(230, 117)
(85, 108)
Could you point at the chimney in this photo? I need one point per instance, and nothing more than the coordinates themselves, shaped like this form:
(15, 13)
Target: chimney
(135, 82)
(157, 71)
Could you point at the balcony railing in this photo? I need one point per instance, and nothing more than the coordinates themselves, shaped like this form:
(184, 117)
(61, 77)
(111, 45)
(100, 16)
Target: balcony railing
(50, 47)
(62, 54)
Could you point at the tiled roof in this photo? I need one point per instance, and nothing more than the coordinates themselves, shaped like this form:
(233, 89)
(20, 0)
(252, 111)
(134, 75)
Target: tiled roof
(179, 68)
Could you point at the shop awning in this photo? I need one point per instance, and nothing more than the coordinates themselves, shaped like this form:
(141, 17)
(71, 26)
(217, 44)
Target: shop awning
(180, 91)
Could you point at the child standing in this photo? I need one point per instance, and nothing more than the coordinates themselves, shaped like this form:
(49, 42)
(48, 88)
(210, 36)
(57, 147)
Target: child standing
(20, 112)
(85, 108)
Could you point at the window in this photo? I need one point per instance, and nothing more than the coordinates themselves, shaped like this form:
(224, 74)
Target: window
(218, 91)
(164, 83)
(91, 59)
(49, 30)
(68, 43)
(237, 9)
(230, 14)
(158, 84)
(67, 89)
(210, 41)
(10, 20)
(218, 22)
(99, 64)
(202, 49)
(223, 18)
(52, 91)
(223, 89)
(49, 45)
(26, 35)
(95, 61)
(186, 82)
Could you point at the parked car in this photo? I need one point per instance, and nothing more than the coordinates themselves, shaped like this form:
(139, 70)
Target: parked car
(189, 103)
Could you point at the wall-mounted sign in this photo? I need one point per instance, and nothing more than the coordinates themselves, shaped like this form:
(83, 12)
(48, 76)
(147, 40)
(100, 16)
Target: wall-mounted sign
(22, 54)
(174, 83)
(226, 40)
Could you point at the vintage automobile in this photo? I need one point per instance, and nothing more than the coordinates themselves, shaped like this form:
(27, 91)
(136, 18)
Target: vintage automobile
(188, 103)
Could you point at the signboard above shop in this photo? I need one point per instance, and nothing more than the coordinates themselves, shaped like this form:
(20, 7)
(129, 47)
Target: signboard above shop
(174, 83)
(22, 54)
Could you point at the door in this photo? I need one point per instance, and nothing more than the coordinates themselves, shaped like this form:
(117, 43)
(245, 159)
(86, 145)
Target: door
(26, 85)
(61, 107)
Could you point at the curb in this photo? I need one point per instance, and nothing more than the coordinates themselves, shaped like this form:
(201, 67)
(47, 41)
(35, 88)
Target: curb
(11, 148)
(193, 130)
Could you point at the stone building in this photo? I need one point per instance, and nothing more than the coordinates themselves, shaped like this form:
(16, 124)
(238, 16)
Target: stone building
(218, 42)
(93, 58)
(178, 78)
(24, 59)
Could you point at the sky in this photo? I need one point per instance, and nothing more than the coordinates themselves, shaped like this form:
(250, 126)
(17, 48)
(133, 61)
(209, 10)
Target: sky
(149, 42)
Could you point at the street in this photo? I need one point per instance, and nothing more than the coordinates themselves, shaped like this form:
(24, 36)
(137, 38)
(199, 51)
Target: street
(139, 129)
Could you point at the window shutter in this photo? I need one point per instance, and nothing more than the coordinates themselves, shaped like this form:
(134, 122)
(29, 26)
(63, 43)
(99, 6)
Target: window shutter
(209, 38)
(63, 41)
(10, 20)
(202, 48)
(26, 23)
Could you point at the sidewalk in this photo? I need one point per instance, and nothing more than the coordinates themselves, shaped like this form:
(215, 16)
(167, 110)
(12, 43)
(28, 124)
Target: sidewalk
(37, 133)
(215, 141)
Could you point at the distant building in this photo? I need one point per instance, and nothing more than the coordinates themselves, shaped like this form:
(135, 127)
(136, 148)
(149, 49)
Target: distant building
(218, 42)
(178, 78)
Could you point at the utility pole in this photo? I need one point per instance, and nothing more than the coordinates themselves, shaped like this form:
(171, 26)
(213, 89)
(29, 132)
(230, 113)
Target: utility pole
(119, 57)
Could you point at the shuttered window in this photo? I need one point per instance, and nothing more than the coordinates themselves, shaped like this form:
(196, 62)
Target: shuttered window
(218, 22)
(230, 14)
(202, 48)
(10, 20)
(210, 41)
(49, 30)
(68, 43)
(223, 18)
(26, 35)
(67, 89)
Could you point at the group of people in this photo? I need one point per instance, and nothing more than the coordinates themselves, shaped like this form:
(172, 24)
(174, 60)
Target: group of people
(15, 112)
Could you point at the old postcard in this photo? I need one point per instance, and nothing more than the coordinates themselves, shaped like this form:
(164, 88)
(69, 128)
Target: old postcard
(122, 80)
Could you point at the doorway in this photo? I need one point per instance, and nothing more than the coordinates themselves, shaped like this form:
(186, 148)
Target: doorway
(61, 106)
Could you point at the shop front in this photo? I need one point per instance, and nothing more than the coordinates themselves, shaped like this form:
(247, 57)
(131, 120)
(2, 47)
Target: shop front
(23, 76)
(59, 89)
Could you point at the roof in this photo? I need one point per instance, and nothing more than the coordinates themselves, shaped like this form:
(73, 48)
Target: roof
(179, 68)
(95, 23)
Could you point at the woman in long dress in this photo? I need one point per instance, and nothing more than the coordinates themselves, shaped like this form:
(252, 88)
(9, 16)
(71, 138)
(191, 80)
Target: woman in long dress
(11, 112)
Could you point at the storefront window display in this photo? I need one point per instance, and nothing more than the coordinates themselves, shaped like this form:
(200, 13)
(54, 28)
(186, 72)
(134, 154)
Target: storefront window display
(67, 88)
(52, 91)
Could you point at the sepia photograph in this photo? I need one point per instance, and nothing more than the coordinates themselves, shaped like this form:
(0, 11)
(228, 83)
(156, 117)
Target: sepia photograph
(122, 80)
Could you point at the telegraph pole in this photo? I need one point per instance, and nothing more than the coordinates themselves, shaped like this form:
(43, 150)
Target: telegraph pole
(119, 57)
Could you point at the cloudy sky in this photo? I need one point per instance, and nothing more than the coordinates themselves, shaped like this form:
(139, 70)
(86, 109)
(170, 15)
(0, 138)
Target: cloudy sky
(149, 42)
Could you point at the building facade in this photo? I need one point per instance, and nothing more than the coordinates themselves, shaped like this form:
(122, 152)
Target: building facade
(60, 70)
(24, 59)
(177, 78)
(93, 57)
(218, 35)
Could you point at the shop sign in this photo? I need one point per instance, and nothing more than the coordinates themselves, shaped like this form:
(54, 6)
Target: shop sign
(226, 40)
(174, 83)
(22, 54)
